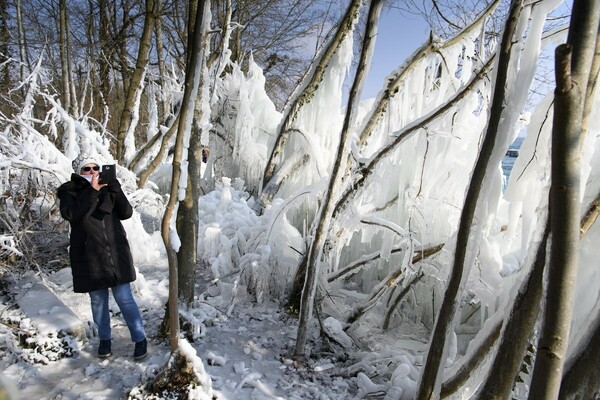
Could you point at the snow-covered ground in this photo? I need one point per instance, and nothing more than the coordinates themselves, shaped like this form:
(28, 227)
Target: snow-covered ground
(246, 354)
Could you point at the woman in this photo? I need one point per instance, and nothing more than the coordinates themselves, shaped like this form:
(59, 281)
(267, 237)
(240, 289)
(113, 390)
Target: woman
(99, 250)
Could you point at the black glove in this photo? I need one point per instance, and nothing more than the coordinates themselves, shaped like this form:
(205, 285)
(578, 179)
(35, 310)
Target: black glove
(114, 186)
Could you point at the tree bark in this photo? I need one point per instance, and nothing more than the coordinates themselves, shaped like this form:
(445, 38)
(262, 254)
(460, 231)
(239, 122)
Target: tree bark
(582, 380)
(192, 81)
(128, 122)
(518, 330)
(187, 213)
(572, 68)
(5, 82)
(106, 50)
(74, 110)
(324, 215)
(22, 42)
(456, 381)
(121, 56)
(162, 70)
(64, 61)
(582, 376)
(590, 216)
(430, 383)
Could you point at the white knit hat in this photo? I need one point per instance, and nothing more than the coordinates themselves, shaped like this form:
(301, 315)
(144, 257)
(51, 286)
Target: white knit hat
(81, 161)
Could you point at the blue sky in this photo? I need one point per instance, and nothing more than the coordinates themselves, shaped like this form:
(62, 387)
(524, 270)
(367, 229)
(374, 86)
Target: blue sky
(399, 35)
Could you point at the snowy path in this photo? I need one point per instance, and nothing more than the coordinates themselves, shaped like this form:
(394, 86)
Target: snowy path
(246, 355)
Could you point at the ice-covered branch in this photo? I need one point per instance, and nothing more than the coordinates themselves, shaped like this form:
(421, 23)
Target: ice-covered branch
(369, 168)
(398, 77)
(305, 92)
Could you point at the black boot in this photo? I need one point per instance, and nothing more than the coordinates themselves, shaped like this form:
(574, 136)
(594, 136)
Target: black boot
(104, 349)
(141, 349)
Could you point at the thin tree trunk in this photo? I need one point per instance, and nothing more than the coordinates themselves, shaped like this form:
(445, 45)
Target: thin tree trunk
(66, 91)
(105, 39)
(325, 213)
(225, 38)
(582, 376)
(122, 54)
(22, 43)
(519, 328)
(457, 380)
(73, 93)
(192, 81)
(128, 121)
(187, 214)
(430, 383)
(162, 70)
(91, 52)
(582, 380)
(5, 82)
(572, 68)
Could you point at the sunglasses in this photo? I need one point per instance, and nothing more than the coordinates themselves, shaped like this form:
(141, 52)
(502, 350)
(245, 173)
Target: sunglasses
(88, 168)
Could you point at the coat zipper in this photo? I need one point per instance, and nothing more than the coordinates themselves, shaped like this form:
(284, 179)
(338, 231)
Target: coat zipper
(114, 269)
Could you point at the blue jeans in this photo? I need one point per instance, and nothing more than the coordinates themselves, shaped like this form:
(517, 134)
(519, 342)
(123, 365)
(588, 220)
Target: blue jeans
(129, 309)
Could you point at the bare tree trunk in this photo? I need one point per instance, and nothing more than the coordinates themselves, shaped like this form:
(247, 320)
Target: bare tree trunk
(22, 43)
(518, 330)
(64, 61)
(187, 254)
(192, 80)
(128, 122)
(187, 214)
(224, 20)
(72, 91)
(5, 82)
(91, 52)
(237, 54)
(226, 31)
(162, 70)
(457, 380)
(105, 39)
(572, 75)
(582, 378)
(324, 218)
(430, 383)
(122, 41)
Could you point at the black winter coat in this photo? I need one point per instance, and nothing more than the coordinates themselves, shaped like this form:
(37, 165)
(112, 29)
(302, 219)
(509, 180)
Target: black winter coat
(99, 250)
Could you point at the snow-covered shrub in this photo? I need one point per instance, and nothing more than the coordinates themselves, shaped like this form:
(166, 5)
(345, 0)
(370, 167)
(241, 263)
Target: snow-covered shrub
(21, 340)
(242, 247)
(182, 377)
